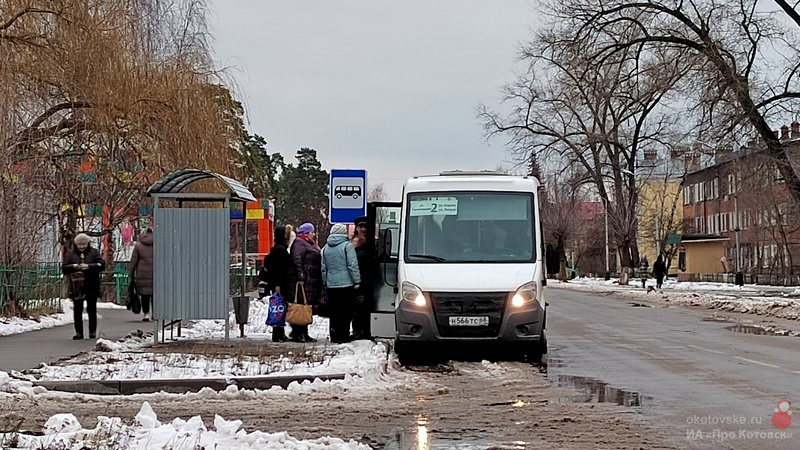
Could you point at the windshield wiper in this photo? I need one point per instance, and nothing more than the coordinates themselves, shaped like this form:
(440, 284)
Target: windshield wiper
(433, 257)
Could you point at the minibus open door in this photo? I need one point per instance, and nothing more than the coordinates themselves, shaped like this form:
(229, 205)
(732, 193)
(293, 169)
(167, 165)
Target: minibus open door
(384, 221)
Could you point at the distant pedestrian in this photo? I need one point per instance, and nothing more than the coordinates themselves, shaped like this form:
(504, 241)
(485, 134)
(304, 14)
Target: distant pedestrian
(140, 270)
(277, 264)
(83, 266)
(643, 266)
(659, 270)
(305, 273)
(341, 279)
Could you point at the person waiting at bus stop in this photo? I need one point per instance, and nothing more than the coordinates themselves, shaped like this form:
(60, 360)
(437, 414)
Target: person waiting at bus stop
(364, 244)
(276, 266)
(83, 266)
(305, 273)
(341, 278)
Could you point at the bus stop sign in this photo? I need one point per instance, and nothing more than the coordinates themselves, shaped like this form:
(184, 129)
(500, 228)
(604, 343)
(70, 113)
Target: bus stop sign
(348, 195)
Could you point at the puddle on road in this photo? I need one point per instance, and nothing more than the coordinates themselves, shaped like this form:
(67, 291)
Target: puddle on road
(717, 319)
(548, 362)
(591, 390)
(755, 329)
(425, 436)
(639, 305)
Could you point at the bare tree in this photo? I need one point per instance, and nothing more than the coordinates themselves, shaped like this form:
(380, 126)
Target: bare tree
(377, 193)
(108, 96)
(561, 217)
(744, 57)
(597, 119)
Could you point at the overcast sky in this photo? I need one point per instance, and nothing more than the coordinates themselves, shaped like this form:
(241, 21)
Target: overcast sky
(390, 87)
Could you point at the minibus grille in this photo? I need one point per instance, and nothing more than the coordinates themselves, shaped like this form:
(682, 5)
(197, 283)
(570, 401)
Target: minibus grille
(468, 304)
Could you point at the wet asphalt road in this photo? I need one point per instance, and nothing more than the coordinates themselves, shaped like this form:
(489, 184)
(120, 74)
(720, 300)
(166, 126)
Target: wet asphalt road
(685, 375)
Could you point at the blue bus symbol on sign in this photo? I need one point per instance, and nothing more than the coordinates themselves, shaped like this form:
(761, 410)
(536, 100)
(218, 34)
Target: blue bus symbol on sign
(347, 195)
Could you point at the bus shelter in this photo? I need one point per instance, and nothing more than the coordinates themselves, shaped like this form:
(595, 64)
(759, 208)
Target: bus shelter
(191, 265)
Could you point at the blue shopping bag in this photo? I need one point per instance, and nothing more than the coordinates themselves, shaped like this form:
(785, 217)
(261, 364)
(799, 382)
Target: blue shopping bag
(276, 317)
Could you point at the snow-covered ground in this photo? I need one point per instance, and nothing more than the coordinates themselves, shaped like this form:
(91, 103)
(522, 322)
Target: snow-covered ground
(776, 301)
(369, 366)
(145, 431)
(15, 325)
(131, 357)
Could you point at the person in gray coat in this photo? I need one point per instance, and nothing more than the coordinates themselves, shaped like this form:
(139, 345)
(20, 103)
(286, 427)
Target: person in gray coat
(341, 278)
(140, 269)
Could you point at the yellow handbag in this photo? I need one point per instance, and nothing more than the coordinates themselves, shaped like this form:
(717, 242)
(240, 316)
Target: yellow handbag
(299, 314)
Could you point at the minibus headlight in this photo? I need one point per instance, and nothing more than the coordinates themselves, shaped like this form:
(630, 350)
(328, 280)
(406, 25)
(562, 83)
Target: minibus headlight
(412, 293)
(525, 294)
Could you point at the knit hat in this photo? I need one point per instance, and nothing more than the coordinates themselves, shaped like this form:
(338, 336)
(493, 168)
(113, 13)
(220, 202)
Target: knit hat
(305, 228)
(361, 221)
(81, 239)
(338, 229)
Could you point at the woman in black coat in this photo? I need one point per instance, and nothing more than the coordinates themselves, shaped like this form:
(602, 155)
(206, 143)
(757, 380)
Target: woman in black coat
(83, 266)
(305, 272)
(277, 264)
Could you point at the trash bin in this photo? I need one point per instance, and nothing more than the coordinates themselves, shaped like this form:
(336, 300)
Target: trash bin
(241, 309)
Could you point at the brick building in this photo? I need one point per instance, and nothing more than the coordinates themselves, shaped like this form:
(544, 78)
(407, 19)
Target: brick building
(748, 182)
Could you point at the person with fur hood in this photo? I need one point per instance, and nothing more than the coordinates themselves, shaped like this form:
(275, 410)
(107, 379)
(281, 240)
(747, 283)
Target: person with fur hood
(140, 269)
(341, 278)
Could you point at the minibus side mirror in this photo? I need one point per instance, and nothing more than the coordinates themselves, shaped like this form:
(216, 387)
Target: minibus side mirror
(385, 245)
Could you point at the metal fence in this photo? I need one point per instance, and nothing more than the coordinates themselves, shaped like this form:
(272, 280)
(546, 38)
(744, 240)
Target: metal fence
(759, 279)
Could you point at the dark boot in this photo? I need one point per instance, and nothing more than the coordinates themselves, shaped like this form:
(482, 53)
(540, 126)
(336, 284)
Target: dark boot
(77, 315)
(279, 334)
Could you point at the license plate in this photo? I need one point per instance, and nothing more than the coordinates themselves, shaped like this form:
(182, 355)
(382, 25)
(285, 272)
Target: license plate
(469, 321)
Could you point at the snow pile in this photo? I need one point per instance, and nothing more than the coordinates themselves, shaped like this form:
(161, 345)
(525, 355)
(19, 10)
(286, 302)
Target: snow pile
(146, 432)
(764, 306)
(749, 299)
(115, 361)
(9, 385)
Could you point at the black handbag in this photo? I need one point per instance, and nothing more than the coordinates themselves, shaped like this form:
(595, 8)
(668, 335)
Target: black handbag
(134, 301)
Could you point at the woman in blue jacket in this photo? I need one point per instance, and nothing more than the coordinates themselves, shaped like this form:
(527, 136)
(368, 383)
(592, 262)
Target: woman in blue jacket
(341, 278)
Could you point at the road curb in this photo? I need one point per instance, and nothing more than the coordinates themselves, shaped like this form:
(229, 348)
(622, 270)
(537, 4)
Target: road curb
(176, 385)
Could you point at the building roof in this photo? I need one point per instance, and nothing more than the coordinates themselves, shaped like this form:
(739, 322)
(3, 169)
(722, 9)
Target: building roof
(178, 180)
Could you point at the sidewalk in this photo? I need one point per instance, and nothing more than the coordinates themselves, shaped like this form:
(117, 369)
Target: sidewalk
(27, 350)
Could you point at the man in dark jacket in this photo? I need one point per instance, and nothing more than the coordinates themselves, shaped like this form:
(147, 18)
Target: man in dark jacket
(83, 266)
(276, 268)
(140, 269)
(365, 253)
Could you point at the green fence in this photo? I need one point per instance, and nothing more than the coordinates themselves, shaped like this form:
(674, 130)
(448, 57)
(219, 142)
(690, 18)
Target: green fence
(30, 289)
(38, 288)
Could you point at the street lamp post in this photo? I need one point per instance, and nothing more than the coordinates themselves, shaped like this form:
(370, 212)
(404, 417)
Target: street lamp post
(739, 275)
(605, 206)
